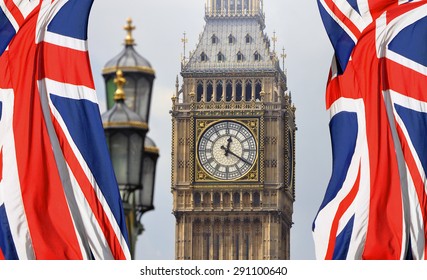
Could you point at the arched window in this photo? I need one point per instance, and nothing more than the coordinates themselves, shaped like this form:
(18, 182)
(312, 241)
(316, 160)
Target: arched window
(197, 199)
(256, 199)
(246, 200)
(239, 56)
(199, 91)
(226, 199)
(257, 56)
(218, 6)
(239, 6)
(246, 7)
(203, 57)
(215, 39)
(239, 91)
(248, 39)
(231, 39)
(225, 6)
(209, 91)
(236, 199)
(219, 89)
(216, 199)
(248, 90)
(229, 91)
(258, 89)
(220, 57)
(207, 200)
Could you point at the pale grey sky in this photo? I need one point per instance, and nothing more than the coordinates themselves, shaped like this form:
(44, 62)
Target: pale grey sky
(160, 25)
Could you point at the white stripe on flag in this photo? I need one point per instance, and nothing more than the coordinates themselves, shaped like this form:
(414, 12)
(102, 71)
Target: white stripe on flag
(98, 241)
(96, 238)
(352, 14)
(412, 204)
(10, 189)
(9, 15)
(47, 12)
(339, 22)
(65, 41)
(70, 91)
(26, 6)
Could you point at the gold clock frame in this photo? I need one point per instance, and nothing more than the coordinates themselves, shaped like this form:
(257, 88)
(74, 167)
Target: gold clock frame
(200, 174)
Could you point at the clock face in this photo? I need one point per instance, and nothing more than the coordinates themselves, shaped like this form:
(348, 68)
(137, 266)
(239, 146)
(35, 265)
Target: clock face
(227, 150)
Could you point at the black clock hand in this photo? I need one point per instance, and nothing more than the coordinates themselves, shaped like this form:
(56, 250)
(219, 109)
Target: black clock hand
(229, 140)
(242, 159)
(227, 150)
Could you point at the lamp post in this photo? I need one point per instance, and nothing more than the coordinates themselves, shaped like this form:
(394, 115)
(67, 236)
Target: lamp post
(125, 133)
(134, 155)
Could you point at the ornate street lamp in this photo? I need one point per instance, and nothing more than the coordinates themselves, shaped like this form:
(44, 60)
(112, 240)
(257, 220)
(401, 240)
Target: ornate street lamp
(138, 73)
(125, 132)
(134, 155)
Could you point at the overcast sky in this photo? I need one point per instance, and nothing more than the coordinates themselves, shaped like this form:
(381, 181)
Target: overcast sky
(160, 26)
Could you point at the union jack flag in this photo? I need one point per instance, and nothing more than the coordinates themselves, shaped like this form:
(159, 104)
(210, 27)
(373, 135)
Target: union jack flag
(375, 206)
(58, 194)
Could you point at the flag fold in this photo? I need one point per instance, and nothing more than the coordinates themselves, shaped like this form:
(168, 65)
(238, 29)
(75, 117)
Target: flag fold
(375, 206)
(58, 194)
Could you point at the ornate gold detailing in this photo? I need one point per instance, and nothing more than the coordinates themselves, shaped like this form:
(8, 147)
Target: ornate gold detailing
(174, 99)
(143, 69)
(129, 41)
(120, 80)
(151, 149)
(142, 125)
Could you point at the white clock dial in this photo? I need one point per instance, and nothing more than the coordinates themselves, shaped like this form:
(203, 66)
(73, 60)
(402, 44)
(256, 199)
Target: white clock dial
(227, 150)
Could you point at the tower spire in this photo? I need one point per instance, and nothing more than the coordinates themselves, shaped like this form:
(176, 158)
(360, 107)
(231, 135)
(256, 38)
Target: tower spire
(129, 41)
(274, 39)
(184, 41)
(283, 56)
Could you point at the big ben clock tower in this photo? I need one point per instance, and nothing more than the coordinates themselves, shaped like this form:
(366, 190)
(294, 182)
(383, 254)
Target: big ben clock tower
(233, 142)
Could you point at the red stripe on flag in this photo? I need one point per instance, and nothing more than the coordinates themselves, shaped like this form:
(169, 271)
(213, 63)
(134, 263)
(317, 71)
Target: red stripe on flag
(404, 80)
(77, 72)
(342, 208)
(90, 194)
(5, 81)
(49, 221)
(344, 19)
(377, 7)
(402, 10)
(2, 255)
(343, 86)
(385, 229)
(16, 13)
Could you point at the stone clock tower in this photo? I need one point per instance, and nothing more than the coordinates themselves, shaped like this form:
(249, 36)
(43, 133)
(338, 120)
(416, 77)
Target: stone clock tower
(233, 142)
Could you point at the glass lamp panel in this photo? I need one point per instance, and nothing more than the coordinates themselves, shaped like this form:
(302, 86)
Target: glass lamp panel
(135, 156)
(143, 98)
(118, 150)
(148, 182)
(130, 91)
